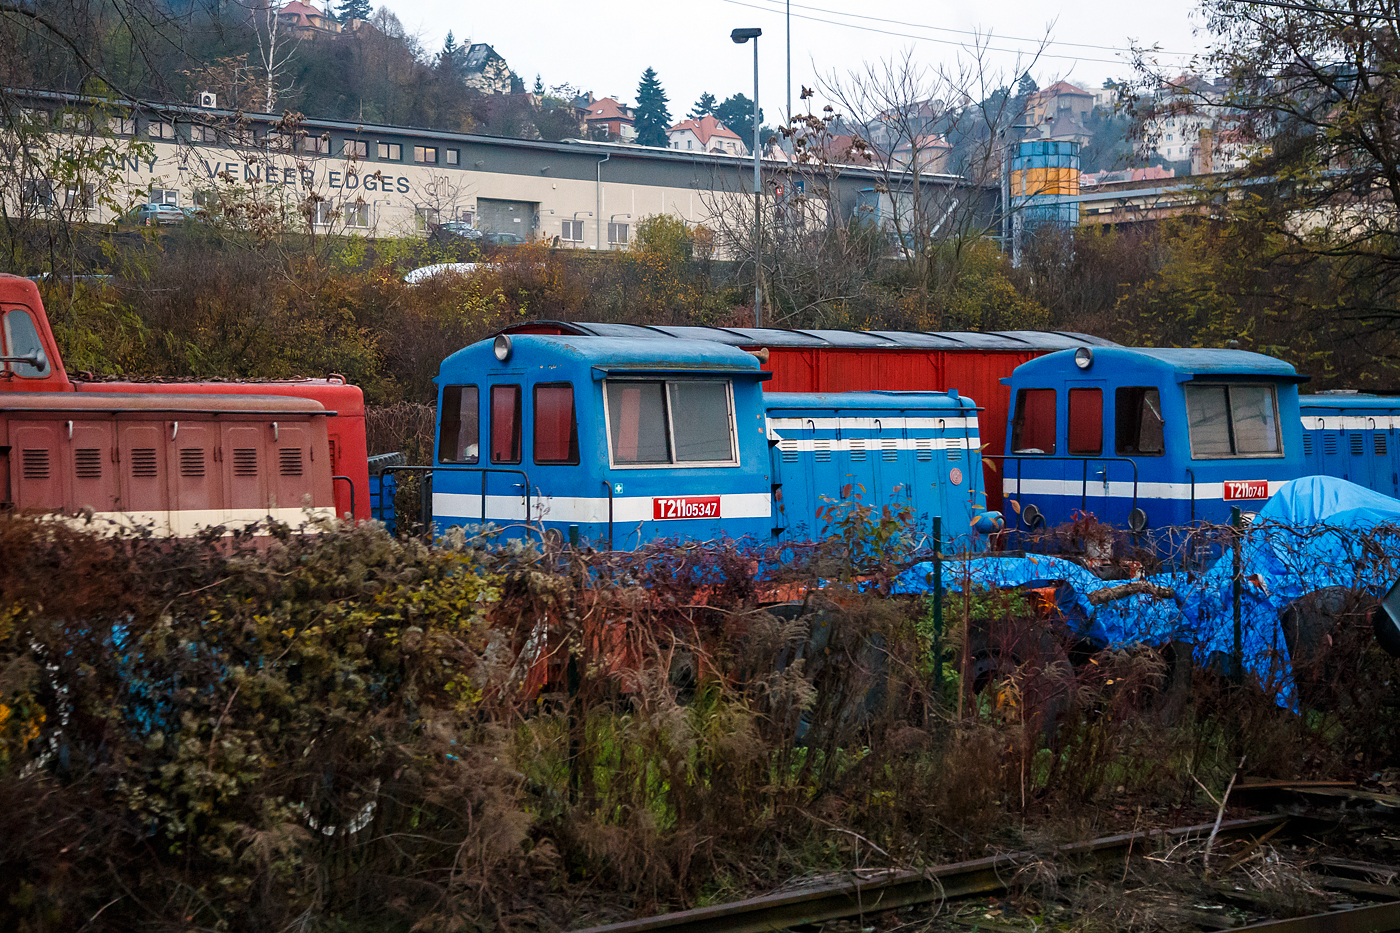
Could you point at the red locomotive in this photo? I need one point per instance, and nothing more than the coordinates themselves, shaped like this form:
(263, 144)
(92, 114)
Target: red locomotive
(178, 456)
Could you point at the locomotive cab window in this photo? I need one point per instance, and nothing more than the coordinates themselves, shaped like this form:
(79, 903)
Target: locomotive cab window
(505, 424)
(1033, 428)
(1138, 422)
(686, 422)
(556, 424)
(1086, 421)
(21, 338)
(459, 438)
(1233, 421)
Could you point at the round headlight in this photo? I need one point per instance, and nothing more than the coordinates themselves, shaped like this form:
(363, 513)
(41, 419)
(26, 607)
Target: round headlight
(1083, 357)
(502, 347)
(1031, 517)
(1137, 521)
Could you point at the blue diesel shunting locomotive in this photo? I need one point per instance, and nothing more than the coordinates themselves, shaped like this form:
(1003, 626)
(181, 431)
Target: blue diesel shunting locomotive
(1151, 438)
(620, 441)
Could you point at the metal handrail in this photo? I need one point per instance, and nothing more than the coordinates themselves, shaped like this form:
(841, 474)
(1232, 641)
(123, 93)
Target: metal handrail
(352, 492)
(608, 485)
(1084, 485)
(429, 470)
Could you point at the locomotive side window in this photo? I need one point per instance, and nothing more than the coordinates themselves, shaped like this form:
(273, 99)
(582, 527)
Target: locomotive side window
(1033, 428)
(1233, 421)
(683, 422)
(1086, 421)
(460, 439)
(22, 339)
(700, 417)
(1138, 422)
(505, 424)
(556, 424)
(637, 415)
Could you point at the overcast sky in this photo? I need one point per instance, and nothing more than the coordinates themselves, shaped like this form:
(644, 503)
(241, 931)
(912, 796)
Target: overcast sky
(604, 45)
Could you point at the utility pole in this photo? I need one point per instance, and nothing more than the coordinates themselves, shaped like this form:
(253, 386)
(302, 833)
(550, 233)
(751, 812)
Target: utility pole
(740, 36)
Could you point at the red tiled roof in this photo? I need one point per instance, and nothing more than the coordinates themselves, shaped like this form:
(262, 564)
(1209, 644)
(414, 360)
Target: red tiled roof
(924, 143)
(704, 129)
(1062, 87)
(607, 109)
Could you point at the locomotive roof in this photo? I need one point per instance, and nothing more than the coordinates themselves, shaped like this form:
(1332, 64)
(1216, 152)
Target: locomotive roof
(614, 354)
(1185, 362)
(110, 403)
(1359, 401)
(828, 339)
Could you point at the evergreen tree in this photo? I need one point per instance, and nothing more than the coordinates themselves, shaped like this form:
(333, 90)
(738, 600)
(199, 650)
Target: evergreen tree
(652, 118)
(704, 106)
(1026, 86)
(539, 87)
(450, 58)
(354, 9)
(736, 113)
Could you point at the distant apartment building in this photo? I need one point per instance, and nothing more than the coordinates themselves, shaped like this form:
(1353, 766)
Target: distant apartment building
(927, 153)
(1057, 101)
(613, 118)
(705, 135)
(305, 21)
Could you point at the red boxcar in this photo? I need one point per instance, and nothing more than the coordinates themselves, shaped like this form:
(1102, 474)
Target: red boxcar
(972, 364)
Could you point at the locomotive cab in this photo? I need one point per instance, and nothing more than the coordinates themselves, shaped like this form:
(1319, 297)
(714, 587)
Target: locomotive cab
(1149, 438)
(609, 441)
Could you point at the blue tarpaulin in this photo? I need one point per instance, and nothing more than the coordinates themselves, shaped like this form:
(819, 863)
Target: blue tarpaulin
(1316, 532)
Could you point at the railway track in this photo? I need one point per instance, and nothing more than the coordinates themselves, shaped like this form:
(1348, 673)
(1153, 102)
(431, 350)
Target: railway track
(1364, 894)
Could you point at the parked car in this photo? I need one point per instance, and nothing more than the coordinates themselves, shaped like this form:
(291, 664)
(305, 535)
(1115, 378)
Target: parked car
(150, 215)
(503, 239)
(459, 228)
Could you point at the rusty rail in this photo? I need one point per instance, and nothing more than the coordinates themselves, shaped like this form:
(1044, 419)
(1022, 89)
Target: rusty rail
(894, 889)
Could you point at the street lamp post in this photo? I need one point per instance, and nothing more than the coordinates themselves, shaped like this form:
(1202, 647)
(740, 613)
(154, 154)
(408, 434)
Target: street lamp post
(740, 36)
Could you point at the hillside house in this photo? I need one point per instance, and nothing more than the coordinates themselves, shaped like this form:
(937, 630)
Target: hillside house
(305, 21)
(706, 135)
(611, 117)
(484, 69)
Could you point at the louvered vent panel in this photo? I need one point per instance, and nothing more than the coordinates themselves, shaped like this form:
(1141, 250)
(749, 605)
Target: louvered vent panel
(245, 461)
(857, 449)
(1358, 445)
(1329, 444)
(954, 448)
(143, 461)
(1307, 445)
(1380, 444)
(889, 449)
(289, 461)
(87, 462)
(35, 462)
(822, 450)
(923, 448)
(789, 449)
(192, 461)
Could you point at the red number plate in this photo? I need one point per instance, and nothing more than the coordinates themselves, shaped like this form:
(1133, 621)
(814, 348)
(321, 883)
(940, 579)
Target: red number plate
(685, 507)
(1247, 489)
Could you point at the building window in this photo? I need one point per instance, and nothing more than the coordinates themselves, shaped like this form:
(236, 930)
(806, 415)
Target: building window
(1033, 429)
(279, 143)
(390, 152)
(453, 156)
(424, 217)
(617, 234)
(356, 214)
(573, 231)
(317, 144)
(426, 154)
(38, 192)
(203, 134)
(356, 149)
(121, 126)
(164, 196)
(83, 197)
(467, 216)
(158, 130)
(457, 438)
(690, 144)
